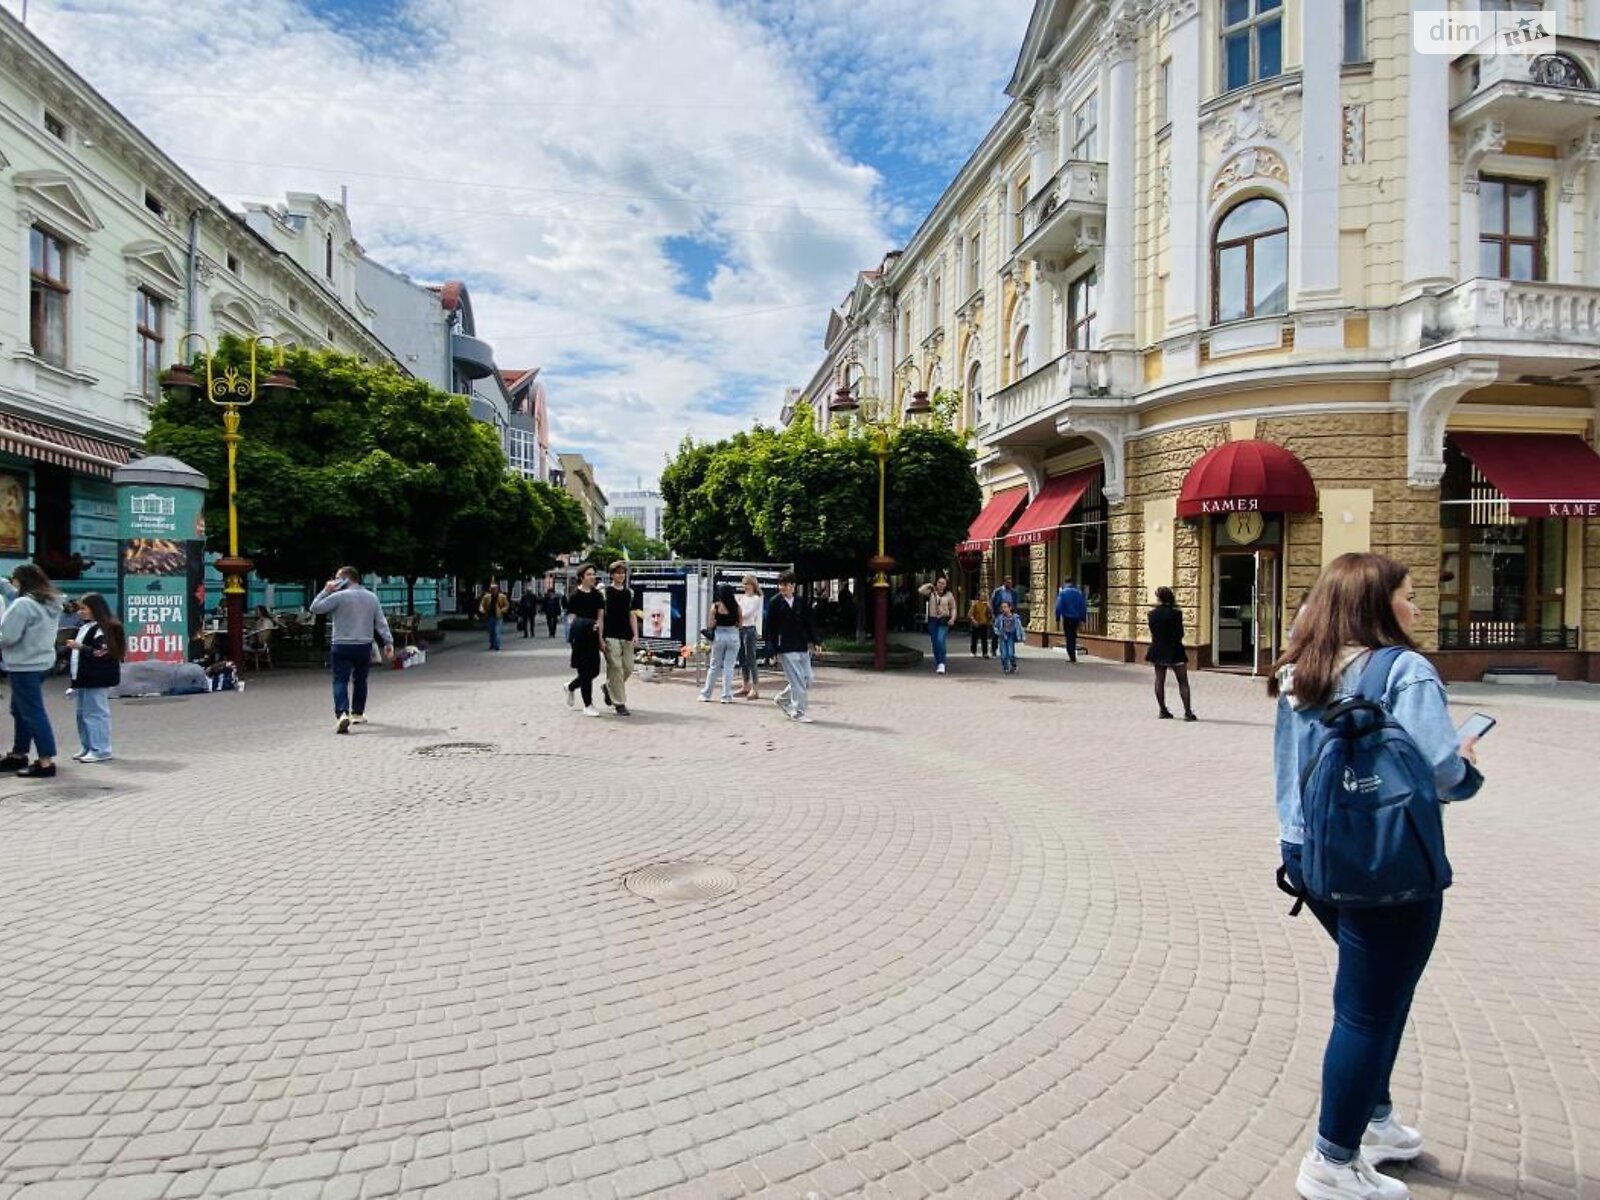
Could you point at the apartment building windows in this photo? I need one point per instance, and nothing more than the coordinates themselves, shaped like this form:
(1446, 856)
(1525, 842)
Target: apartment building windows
(1019, 203)
(936, 303)
(1252, 41)
(1082, 301)
(327, 256)
(47, 296)
(1511, 228)
(1250, 262)
(1086, 130)
(148, 311)
(974, 259)
(1019, 355)
(1164, 94)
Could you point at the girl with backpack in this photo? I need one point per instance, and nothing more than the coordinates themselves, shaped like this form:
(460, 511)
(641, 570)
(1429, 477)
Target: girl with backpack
(28, 643)
(1360, 615)
(97, 650)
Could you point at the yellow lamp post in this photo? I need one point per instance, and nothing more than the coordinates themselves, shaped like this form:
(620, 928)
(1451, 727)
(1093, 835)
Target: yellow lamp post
(854, 399)
(232, 389)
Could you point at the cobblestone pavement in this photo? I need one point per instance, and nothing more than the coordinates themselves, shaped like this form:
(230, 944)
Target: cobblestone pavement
(992, 937)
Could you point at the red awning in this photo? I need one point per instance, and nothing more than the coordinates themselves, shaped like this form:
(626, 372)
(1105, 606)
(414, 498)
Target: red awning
(1542, 474)
(47, 443)
(993, 519)
(1247, 476)
(1051, 507)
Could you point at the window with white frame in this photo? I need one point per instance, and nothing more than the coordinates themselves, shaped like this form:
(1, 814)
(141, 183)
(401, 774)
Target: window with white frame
(1164, 93)
(1083, 301)
(974, 261)
(48, 294)
(1252, 41)
(936, 302)
(148, 312)
(1250, 262)
(1019, 354)
(1019, 201)
(974, 397)
(905, 331)
(1086, 129)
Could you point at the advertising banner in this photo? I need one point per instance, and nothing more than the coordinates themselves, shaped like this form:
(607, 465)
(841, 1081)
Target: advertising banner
(766, 578)
(662, 595)
(161, 570)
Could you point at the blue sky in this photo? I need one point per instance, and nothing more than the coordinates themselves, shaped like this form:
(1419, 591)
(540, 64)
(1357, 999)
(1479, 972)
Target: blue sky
(656, 201)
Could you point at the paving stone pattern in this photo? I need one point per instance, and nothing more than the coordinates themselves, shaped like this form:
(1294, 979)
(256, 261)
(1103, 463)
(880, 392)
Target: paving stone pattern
(992, 938)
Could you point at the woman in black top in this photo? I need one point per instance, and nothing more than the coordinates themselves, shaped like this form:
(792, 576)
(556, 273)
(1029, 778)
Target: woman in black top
(585, 607)
(1166, 652)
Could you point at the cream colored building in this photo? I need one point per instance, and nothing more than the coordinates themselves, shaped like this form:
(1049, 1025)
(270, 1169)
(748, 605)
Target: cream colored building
(114, 253)
(1234, 286)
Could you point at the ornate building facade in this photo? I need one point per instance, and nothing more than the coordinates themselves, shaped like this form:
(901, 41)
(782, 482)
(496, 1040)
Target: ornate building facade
(1234, 286)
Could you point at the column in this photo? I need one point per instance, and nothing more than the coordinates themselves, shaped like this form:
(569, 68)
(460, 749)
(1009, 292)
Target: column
(884, 329)
(1315, 233)
(1041, 345)
(1120, 43)
(1187, 238)
(1427, 261)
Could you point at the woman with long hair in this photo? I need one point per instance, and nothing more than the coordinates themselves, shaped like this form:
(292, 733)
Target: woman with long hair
(751, 606)
(1362, 604)
(585, 606)
(97, 651)
(28, 642)
(1166, 652)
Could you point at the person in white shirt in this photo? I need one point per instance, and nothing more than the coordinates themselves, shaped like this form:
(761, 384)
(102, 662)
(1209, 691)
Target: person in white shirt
(752, 607)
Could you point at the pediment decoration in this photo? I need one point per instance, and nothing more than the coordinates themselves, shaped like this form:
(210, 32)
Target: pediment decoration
(150, 260)
(1254, 162)
(57, 199)
(233, 314)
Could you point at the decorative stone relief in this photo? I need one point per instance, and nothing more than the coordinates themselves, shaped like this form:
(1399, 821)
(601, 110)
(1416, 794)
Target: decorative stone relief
(1580, 152)
(1429, 400)
(1254, 163)
(1486, 138)
(1250, 121)
(1165, 189)
(1355, 134)
(1119, 41)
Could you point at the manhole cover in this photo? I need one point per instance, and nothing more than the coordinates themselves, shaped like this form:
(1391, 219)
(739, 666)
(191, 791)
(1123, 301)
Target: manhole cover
(1037, 699)
(68, 791)
(681, 881)
(454, 749)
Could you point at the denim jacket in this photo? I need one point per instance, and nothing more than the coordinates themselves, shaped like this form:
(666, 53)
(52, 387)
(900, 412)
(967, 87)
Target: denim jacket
(1415, 698)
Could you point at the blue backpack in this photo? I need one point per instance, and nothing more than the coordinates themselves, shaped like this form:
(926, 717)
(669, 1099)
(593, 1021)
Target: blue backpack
(1373, 818)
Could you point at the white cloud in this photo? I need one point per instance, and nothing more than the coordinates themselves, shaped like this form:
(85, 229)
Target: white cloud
(542, 151)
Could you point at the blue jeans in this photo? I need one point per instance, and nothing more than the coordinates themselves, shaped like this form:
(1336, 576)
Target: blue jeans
(798, 672)
(724, 657)
(94, 719)
(1382, 954)
(939, 635)
(1008, 653)
(494, 633)
(351, 662)
(29, 721)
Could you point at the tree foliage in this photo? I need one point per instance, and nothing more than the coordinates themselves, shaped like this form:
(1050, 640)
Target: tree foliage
(626, 534)
(811, 498)
(365, 465)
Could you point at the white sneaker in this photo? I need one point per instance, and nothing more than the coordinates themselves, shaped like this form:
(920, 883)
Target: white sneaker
(358, 718)
(95, 756)
(1355, 1180)
(939, 670)
(342, 725)
(800, 718)
(782, 698)
(1389, 1141)
(572, 697)
(703, 699)
(590, 710)
(727, 700)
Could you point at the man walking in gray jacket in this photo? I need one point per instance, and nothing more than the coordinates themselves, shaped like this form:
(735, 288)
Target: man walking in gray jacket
(357, 619)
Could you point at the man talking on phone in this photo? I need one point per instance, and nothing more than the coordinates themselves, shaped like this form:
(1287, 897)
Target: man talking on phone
(357, 619)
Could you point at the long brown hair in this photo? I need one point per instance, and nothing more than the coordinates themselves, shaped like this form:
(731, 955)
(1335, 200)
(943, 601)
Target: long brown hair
(109, 625)
(32, 581)
(1352, 605)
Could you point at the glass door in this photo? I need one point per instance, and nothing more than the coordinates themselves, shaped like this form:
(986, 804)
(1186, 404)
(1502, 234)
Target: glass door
(1267, 636)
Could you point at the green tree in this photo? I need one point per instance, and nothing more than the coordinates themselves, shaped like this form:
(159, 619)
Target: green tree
(360, 464)
(933, 496)
(624, 533)
(814, 501)
(707, 494)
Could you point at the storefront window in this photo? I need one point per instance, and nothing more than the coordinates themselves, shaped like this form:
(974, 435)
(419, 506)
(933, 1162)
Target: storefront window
(1502, 579)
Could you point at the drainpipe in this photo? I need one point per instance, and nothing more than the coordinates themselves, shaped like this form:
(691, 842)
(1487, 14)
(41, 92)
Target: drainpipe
(191, 325)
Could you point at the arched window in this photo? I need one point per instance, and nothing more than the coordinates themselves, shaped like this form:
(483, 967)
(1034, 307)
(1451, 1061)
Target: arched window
(974, 397)
(1250, 262)
(1019, 355)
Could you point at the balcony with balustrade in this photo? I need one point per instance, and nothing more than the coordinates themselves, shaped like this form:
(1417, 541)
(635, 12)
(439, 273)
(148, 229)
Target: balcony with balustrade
(1026, 413)
(1540, 96)
(1542, 328)
(1067, 216)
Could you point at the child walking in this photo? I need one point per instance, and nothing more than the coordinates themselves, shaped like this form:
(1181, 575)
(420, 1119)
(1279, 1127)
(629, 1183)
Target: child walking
(97, 650)
(1008, 631)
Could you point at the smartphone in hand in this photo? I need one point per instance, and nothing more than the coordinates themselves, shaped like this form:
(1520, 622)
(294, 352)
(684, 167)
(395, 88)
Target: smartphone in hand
(1476, 726)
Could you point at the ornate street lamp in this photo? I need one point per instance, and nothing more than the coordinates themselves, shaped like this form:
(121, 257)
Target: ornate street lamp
(232, 390)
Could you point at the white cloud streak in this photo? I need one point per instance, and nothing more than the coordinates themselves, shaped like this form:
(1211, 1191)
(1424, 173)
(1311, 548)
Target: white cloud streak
(542, 151)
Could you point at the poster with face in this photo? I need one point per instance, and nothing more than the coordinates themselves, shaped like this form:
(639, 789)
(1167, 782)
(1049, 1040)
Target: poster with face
(13, 513)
